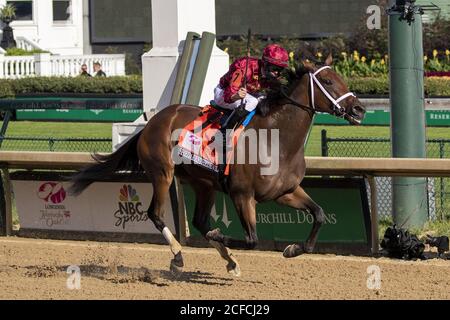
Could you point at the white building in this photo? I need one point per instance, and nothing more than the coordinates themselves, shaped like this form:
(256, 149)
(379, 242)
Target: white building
(58, 26)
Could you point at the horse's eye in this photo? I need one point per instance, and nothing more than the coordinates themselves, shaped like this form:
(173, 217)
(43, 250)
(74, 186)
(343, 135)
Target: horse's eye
(327, 82)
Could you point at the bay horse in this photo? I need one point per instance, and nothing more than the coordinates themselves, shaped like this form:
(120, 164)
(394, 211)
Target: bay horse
(311, 89)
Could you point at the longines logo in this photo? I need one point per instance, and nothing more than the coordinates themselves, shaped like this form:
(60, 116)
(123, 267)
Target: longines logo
(130, 208)
(300, 217)
(54, 212)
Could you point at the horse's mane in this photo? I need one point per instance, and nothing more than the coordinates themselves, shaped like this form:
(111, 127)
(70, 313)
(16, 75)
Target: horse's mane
(305, 51)
(286, 85)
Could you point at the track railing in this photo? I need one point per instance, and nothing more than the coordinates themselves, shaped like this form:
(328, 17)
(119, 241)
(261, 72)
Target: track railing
(316, 166)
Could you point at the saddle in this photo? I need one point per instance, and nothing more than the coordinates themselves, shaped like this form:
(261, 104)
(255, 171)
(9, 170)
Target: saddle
(203, 142)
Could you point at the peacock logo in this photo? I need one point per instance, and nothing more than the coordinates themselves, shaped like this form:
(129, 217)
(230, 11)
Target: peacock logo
(129, 207)
(128, 194)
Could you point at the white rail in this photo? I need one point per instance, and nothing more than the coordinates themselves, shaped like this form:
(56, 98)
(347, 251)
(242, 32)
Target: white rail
(44, 64)
(27, 44)
(112, 64)
(17, 67)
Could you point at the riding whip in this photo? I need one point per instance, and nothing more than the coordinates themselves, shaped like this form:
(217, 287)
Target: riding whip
(249, 36)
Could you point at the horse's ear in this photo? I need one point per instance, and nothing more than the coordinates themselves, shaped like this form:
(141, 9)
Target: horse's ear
(329, 60)
(308, 66)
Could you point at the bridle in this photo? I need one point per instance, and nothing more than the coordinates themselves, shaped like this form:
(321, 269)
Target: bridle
(337, 109)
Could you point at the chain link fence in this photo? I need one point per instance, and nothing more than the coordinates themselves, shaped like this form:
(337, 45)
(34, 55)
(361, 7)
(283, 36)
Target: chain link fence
(12, 143)
(438, 188)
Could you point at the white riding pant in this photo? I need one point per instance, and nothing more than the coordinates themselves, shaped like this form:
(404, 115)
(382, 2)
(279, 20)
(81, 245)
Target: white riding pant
(250, 101)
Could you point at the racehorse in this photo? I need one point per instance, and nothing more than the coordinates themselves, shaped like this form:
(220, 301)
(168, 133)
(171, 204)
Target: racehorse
(313, 88)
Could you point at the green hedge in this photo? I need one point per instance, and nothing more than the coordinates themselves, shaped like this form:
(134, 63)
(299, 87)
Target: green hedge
(22, 52)
(437, 86)
(133, 85)
(379, 85)
(434, 86)
(37, 85)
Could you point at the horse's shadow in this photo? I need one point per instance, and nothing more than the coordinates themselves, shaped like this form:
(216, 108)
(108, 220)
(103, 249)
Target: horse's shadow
(160, 278)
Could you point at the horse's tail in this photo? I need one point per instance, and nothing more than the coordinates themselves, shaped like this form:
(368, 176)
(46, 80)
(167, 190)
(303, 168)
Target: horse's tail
(125, 158)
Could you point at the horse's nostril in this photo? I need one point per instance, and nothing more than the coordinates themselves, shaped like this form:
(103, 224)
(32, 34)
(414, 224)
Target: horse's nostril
(358, 110)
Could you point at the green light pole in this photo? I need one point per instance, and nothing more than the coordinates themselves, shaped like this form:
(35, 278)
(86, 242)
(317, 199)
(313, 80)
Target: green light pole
(410, 203)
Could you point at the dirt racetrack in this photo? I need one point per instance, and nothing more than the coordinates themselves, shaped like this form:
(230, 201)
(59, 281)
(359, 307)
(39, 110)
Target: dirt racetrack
(36, 269)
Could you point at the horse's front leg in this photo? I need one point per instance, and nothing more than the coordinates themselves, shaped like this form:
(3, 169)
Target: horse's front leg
(299, 199)
(205, 198)
(245, 207)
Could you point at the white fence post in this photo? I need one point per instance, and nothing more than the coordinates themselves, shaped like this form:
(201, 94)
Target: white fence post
(43, 65)
(120, 66)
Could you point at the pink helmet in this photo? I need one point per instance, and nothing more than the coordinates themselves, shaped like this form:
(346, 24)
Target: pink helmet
(275, 54)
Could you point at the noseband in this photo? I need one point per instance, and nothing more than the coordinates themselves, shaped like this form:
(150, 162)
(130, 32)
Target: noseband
(337, 109)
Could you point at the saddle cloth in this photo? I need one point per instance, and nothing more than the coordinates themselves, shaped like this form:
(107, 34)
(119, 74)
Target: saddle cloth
(201, 142)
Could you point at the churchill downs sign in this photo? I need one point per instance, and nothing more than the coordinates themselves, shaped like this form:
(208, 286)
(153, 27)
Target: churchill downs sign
(344, 202)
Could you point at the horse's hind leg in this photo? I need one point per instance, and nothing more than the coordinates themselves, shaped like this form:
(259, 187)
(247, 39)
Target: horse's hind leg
(154, 151)
(161, 184)
(299, 199)
(205, 198)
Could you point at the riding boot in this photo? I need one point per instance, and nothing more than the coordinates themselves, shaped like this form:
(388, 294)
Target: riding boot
(236, 117)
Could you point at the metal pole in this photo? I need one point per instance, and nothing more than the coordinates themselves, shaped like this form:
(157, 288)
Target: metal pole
(194, 91)
(201, 68)
(3, 213)
(7, 202)
(182, 216)
(183, 67)
(407, 109)
(374, 214)
(324, 143)
(5, 124)
(178, 206)
(5, 192)
(442, 182)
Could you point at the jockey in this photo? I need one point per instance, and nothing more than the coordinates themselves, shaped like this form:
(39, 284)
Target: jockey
(260, 74)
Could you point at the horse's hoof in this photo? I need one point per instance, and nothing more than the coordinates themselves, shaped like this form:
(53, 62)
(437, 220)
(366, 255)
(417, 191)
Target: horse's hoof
(174, 268)
(292, 251)
(177, 264)
(214, 235)
(234, 269)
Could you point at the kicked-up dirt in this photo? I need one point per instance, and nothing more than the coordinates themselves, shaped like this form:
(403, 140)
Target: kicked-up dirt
(37, 269)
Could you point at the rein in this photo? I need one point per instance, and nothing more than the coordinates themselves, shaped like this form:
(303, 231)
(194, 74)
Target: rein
(338, 110)
(308, 109)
